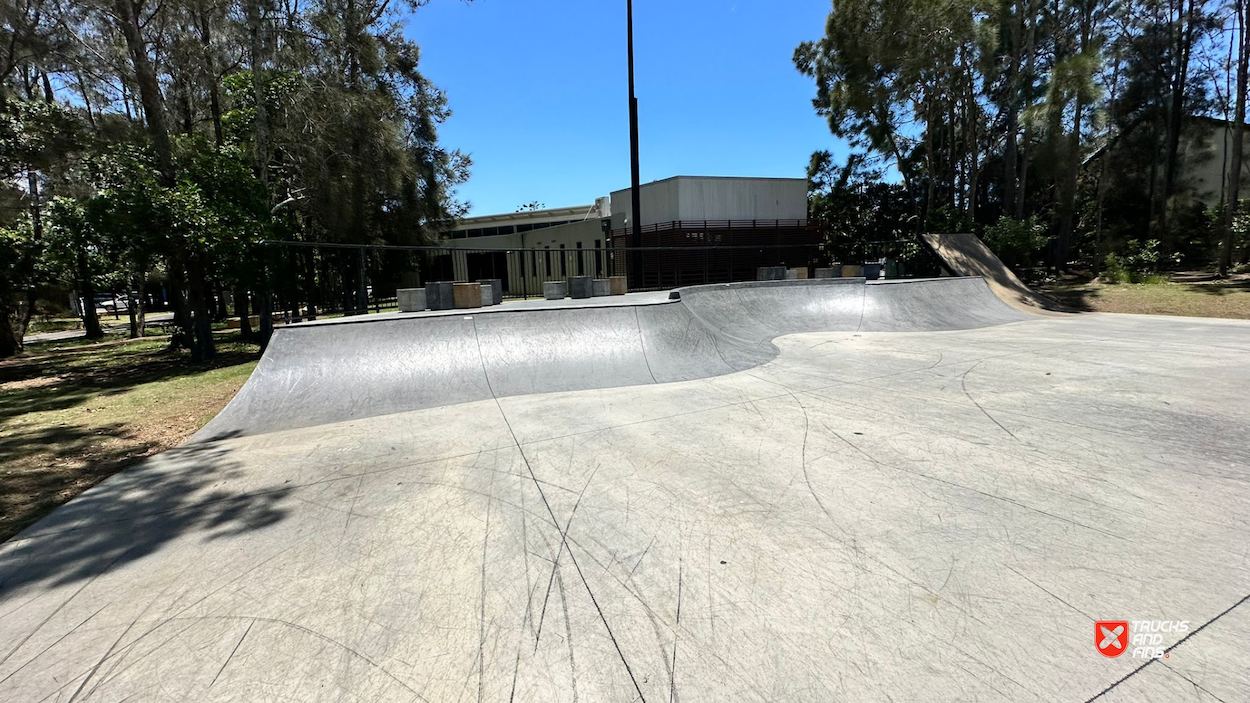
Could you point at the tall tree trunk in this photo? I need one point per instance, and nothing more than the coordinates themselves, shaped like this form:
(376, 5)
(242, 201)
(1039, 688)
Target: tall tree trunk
(1030, 59)
(241, 308)
(127, 19)
(1176, 110)
(261, 125)
(1239, 120)
(91, 321)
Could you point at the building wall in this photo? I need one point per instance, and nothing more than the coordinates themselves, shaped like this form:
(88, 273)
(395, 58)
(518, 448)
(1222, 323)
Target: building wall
(1206, 163)
(707, 198)
(563, 251)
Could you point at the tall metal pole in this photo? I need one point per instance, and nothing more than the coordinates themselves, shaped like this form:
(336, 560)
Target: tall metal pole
(635, 268)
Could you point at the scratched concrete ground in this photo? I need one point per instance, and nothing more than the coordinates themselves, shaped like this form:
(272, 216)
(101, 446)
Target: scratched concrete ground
(868, 516)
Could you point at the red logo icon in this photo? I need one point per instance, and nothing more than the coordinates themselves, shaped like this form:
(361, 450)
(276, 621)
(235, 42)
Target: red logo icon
(1111, 637)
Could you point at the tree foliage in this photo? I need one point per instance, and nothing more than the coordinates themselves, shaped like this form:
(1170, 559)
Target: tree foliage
(1075, 116)
(163, 140)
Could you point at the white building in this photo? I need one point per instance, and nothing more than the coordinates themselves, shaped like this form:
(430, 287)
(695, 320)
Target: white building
(529, 247)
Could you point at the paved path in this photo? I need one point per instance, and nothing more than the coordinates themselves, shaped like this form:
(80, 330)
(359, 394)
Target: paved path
(854, 515)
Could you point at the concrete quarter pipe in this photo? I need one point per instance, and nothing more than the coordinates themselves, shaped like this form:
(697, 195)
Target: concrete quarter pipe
(362, 367)
(801, 491)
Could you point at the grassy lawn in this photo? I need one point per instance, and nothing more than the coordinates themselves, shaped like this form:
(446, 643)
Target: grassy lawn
(1185, 295)
(73, 413)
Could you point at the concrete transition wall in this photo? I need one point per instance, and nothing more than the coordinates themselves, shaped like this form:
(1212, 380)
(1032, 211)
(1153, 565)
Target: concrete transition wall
(322, 373)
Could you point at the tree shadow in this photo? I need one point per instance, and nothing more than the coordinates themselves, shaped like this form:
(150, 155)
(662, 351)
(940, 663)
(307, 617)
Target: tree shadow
(66, 379)
(1077, 298)
(1220, 289)
(71, 460)
(136, 513)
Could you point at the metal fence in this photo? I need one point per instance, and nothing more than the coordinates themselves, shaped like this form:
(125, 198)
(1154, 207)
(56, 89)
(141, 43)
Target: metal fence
(307, 279)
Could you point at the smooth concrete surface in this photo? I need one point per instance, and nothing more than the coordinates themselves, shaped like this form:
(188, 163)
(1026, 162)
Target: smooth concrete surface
(410, 299)
(966, 255)
(581, 287)
(318, 374)
(893, 509)
(555, 290)
(495, 288)
(440, 295)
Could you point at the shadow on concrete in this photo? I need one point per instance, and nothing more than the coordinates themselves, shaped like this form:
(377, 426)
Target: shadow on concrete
(136, 513)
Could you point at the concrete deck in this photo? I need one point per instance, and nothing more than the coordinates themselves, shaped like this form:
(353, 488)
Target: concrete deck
(860, 513)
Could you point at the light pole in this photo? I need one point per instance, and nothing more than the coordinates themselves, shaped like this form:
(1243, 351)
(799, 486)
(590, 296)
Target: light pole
(635, 267)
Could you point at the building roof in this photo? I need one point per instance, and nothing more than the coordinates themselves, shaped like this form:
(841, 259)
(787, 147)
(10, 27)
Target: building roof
(575, 212)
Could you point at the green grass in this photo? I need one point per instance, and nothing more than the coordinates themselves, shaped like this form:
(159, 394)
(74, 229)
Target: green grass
(74, 412)
(1227, 299)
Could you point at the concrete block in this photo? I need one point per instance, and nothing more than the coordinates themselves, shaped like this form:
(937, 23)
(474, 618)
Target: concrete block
(492, 290)
(581, 287)
(411, 299)
(852, 271)
(440, 295)
(601, 286)
(797, 274)
(619, 284)
(468, 295)
(555, 290)
(770, 273)
(833, 271)
(872, 271)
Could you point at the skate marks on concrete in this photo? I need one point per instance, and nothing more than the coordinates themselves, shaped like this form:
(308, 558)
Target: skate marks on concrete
(866, 516)
(322, 373)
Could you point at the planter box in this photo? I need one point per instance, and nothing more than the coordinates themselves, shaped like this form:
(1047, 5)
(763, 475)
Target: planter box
(852, 271)
(555, 290)
(601, 286)
(233, 323)
(797, 274)
(770, 273)
(468, 295)
(440, 295)
(581, 287)
(411, 299)
(492, 290)
(872, 271)
(619, 285)
(833, 271)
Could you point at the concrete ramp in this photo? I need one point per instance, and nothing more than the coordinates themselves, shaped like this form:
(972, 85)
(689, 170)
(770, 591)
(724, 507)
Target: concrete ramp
(965, 254)
(314, 374)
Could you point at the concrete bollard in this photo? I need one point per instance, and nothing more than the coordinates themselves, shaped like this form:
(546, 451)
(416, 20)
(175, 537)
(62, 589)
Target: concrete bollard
(411, 299)
(440, 295)
(468, 295)
(770, 273)
(619, 285)
(852, 271)
(492, 290)
(601, 286)
(797, 274)
(555, 290)
(872, 271)
(581, 287)
(831, 272)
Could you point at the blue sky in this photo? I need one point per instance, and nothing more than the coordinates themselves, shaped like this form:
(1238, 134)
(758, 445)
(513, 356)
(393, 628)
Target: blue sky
(539, 93)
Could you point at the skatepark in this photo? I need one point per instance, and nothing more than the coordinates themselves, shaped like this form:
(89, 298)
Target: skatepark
(786, 491)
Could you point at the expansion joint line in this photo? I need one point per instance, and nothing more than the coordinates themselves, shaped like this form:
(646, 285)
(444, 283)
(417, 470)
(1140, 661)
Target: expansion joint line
(1182, 640)
(551, 513)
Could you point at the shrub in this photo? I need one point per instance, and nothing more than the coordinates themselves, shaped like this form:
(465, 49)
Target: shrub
(1016, 241)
